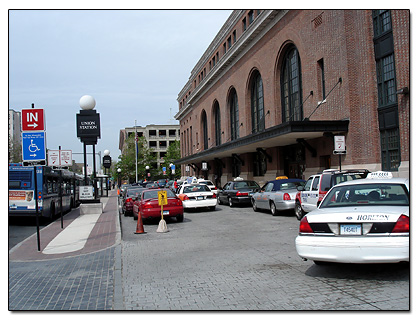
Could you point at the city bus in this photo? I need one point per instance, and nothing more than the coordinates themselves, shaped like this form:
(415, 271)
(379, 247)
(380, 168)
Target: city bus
(22, 190)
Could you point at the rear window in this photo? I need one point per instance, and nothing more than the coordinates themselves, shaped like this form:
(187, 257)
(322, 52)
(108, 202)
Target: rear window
(248, 184)
(154, 194)
(340, 178)
(196, 188)
(367, 194)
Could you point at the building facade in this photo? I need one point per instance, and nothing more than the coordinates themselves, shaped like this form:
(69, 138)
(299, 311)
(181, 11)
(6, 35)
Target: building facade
(15, 128)
(275, 87)
(158, 138)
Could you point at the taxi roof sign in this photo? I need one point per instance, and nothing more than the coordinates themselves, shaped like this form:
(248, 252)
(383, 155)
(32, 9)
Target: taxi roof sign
(282, 177)
(380, 175)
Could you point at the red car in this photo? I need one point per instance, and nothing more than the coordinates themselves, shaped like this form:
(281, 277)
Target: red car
(147, 204)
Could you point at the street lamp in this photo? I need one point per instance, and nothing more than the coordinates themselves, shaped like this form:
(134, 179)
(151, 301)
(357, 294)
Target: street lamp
(88, 130)
(147, 172)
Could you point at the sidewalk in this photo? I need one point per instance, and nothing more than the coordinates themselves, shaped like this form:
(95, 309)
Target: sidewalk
(66, 277)
(105, 233)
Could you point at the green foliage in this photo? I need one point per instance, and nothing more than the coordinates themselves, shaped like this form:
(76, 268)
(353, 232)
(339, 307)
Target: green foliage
(127, 162)
(173, 153)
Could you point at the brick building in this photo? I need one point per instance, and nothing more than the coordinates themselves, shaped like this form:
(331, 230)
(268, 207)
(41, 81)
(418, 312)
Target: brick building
(275, 86)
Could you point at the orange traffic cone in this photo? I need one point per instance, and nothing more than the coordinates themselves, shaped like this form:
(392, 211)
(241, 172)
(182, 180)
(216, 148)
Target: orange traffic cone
(140, 228)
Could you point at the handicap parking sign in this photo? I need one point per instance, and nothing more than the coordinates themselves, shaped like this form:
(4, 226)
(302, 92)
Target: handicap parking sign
(33, 146)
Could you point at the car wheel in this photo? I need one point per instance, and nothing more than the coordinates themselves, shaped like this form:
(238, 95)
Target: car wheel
(212, 208)
(299, 212)
(219, 201)
(230, 202)
(273, 208)
(180, 218)
(254, 206)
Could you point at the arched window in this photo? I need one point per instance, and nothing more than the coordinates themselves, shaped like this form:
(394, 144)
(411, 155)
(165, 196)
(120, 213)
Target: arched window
(217, 128)
(257, 104)
(234, 115)
(291, 86)
(204, 129)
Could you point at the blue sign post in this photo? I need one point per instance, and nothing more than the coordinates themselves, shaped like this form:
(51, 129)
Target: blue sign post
(33, 146)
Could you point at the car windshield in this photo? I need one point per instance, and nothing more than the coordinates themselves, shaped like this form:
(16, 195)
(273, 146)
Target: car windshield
(133, 192)
(367, 194)
(248, 184)
(196, 188)
(154, 194)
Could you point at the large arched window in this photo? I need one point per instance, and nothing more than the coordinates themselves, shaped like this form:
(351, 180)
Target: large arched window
(257, 104)
(291, 86)
(204, 129)
(234, 115)
(217, 127)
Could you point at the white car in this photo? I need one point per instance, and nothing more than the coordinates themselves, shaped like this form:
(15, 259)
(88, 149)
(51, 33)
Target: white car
(197, 196)
(210, 184)
(361, 221)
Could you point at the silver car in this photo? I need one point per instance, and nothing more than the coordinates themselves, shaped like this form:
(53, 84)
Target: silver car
(277, 195)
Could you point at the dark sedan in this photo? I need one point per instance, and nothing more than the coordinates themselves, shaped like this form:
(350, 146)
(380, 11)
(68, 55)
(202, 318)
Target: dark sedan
(128, 199)
(237, 192)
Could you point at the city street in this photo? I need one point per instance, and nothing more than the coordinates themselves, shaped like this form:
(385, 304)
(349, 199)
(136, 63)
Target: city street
(237, 259)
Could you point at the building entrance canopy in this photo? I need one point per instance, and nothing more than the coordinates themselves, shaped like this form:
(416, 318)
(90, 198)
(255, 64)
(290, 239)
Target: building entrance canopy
(285, 134)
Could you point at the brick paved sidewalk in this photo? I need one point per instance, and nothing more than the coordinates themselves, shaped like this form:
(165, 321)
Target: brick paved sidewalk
(104, 234)
(80, 280)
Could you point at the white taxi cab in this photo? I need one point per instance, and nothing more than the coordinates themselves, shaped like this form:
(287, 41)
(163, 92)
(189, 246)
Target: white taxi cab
(197, 195)
(361, 221)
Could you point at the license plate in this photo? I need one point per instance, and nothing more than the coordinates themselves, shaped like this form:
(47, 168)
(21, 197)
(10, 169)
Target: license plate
(200, 197)
(350, 229)
(165, 212)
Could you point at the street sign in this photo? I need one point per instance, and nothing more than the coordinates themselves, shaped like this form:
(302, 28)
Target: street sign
(33, 146)
(163, 198)
(66, 158)
(33, 120)
(53, 158)
(339, 145)
(59, 158)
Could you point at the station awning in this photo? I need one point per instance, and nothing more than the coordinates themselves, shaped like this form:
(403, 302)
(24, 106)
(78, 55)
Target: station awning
(285, 134)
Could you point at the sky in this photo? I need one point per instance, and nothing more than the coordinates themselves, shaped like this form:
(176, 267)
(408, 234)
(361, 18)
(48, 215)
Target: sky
(133, 62)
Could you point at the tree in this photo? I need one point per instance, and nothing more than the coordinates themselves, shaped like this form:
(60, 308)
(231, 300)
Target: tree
(173, 153)
(127, 162)
(15, 151)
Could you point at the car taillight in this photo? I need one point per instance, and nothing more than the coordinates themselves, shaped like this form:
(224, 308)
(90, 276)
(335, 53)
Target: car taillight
(178, 202)
(129, 200)
(286, 197)
(185, 198)
(241, 193)
(147, 205)
(402, 224)
(304, 226)
(213, 196)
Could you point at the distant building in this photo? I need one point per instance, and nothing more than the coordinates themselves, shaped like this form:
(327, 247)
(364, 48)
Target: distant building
(158, 138)
(274, 87)
(15, 128)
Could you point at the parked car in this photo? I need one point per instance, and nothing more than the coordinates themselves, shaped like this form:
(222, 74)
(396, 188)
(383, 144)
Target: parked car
(169, 184)
(147, 203)
(210, 184)
(361, 221)
(237, 192)
(152, 185)
(197, 196)
(128, 199)
(277, 195)
(310, 195)
(161, 182)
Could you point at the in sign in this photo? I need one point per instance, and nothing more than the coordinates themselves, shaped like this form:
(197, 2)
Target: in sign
(33, 120)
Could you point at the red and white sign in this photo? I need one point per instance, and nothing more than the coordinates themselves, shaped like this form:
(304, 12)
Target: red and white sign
(66, 157)
(59, 158)
(33, 120)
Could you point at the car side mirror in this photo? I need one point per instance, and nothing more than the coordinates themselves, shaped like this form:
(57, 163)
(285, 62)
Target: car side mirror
(300, 188)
